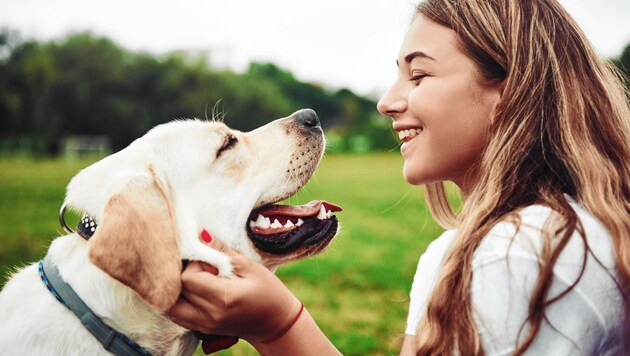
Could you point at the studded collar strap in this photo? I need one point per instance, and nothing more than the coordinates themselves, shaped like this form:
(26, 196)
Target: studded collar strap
(87, 227)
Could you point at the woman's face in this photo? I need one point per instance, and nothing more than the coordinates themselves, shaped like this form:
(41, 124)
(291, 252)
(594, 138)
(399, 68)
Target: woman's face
(440, 109)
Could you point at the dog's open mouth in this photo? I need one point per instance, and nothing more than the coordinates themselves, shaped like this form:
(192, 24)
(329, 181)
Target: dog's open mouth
(279, 229)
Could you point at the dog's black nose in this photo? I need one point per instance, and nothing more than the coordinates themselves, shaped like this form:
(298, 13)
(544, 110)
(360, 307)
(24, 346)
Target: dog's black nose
(307, 118)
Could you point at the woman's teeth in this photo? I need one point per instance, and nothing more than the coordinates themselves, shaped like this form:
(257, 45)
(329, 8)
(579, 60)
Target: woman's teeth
(406, 135)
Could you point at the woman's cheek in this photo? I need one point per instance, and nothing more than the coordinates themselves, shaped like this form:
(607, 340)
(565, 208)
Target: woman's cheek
(416, 98)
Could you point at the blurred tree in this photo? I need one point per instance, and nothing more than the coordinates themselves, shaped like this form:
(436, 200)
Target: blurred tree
(624, 64)
(301, 95)
(28, 75)
(88, 85)
(91, 94)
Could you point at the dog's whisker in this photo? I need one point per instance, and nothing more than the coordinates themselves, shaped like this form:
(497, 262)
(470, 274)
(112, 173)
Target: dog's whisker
(205, 112)
(402, 199)
(294, 178)
(218, 114)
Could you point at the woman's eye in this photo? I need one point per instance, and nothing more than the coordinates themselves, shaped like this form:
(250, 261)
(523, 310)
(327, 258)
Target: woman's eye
(229, 142)
(417, 78)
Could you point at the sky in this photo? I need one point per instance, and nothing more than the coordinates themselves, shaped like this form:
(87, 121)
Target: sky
(336, 43)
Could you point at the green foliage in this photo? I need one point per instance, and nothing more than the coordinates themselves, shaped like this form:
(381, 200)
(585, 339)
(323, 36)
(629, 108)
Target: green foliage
(623, 63)
(88, 85)
(357, 290)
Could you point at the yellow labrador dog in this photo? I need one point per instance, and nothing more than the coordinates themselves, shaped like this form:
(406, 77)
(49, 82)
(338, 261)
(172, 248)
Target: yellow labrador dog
(145, 208)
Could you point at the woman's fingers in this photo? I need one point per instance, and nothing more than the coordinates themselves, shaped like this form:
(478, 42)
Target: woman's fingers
(185, 323)
(185, 314)
(207, 239)
(204, 284)
(198, 266)
(220, 246)
(210, 305)
(240, 264)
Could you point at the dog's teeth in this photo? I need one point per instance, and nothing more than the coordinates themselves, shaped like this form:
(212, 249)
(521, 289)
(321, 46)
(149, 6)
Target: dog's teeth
(299, 222)
(328, 214)
(263, 222)
(322, 213)
(289, 224)
(276, 224)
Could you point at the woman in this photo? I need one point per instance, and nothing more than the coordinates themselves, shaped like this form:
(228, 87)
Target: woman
(509, 101)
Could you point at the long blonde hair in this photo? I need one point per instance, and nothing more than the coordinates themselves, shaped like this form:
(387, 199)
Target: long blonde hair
(561, 128)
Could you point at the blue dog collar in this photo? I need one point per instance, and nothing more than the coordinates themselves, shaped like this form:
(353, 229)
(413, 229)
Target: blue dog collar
(112, 340)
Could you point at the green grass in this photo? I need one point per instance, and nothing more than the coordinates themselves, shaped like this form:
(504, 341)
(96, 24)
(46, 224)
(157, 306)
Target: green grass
(357, 290)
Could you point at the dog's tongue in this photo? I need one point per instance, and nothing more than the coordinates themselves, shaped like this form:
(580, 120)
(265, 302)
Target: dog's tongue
(277, 219)
(299, 211)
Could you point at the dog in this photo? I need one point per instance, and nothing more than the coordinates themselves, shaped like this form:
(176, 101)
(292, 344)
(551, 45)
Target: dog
(145, 207)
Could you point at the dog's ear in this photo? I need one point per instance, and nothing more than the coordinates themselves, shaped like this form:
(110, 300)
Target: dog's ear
(136, 241)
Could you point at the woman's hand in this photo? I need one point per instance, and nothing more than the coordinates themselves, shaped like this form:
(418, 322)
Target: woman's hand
(253, 304)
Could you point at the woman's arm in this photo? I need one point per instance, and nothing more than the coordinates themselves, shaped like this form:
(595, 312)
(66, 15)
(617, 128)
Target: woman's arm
(408, 346)
(304, 338)
(253, 305)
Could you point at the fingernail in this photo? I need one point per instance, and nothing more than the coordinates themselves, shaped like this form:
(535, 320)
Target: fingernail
(205, 236)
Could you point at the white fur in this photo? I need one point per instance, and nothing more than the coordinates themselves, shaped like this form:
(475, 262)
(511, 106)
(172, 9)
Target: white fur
(204, 191)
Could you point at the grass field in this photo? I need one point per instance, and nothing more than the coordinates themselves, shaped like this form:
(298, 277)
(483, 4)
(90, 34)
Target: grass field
(357, 290)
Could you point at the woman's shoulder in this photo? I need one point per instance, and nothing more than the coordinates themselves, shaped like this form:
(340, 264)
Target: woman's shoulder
(523, 234)
(506, 267)
(440, 245)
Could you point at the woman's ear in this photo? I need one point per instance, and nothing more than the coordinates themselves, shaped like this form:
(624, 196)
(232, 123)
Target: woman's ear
(495, 93)
(136, 241)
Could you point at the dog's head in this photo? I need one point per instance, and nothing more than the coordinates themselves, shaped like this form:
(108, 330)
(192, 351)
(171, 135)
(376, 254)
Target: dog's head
(152, 199)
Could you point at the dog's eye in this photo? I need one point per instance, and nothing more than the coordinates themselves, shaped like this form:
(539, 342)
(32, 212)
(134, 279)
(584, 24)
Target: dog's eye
(229, 142)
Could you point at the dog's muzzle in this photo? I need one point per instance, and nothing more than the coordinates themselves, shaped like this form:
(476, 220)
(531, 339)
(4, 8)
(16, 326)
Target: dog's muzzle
(280, 229)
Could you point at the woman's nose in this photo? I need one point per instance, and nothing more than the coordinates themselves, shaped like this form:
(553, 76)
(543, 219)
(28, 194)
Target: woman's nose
(392, 102)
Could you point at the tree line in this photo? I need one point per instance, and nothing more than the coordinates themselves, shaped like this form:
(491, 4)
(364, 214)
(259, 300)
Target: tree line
(89, 85)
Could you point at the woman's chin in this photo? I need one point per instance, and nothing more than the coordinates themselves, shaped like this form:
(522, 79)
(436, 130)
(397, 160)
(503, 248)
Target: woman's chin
(412, 176)
(418, 174)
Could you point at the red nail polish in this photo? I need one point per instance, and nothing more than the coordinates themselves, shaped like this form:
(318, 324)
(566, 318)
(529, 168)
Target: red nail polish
(205, 236)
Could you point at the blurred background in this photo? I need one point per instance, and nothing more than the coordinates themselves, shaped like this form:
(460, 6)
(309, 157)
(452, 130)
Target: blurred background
(82, 79)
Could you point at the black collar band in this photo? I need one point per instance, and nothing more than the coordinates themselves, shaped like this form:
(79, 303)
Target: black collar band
(112, 340)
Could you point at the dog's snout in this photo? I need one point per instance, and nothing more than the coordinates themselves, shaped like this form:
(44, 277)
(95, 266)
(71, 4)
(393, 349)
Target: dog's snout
(307, 118)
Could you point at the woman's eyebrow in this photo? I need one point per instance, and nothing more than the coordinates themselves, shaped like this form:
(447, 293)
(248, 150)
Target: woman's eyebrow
(417, 54)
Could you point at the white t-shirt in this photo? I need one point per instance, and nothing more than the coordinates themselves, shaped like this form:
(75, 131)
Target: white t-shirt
(505, 271)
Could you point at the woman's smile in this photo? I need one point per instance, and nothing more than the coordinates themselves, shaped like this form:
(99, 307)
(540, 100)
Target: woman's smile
(410, 134)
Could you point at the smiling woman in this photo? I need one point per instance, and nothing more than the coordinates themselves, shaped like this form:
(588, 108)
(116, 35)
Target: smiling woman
(440, 105)
(535, 235)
